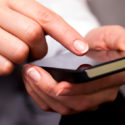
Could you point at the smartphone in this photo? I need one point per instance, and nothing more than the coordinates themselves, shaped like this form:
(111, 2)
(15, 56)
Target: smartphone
(88, 74)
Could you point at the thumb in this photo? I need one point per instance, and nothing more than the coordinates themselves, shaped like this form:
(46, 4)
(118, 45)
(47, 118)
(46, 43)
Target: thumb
(107, 38)
(39, 78)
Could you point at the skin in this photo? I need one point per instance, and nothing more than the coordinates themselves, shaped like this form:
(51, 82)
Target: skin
(22, 32)
(23, 25)
(67, 98)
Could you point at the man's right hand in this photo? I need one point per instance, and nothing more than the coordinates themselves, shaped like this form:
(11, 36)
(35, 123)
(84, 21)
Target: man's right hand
(23, 24)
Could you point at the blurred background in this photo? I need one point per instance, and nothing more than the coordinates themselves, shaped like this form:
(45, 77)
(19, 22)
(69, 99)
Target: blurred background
(109, 12)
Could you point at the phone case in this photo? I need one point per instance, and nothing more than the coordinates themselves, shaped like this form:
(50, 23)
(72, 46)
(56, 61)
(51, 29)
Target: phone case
(88, 74)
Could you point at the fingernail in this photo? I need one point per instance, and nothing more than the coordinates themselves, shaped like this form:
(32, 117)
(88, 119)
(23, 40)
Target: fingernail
(33, 75)
(62, 92)
(81, 46)
(59, 92)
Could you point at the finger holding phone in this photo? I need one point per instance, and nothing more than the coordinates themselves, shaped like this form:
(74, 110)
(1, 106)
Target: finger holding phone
(41, 87)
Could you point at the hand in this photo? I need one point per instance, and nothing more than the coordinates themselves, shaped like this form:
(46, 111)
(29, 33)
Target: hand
(41, 87)
(107, 38)
(103, 38)
(23, 25)
(68, 98)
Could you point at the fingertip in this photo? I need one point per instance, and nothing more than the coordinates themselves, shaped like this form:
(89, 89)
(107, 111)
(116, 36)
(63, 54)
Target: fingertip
(6, 66)
(80, 47)
(7, 69)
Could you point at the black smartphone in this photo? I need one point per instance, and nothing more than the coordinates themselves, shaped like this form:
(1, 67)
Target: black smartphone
(111, 64)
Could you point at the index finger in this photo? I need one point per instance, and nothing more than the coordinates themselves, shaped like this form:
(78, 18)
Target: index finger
(52, 24)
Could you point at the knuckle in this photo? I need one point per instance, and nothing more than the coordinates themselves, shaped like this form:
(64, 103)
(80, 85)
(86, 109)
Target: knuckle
(33, 32)
(21, 54)
(114, 28)
(65, 111)
(45, 108)
(81, 106)
(46, 16)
